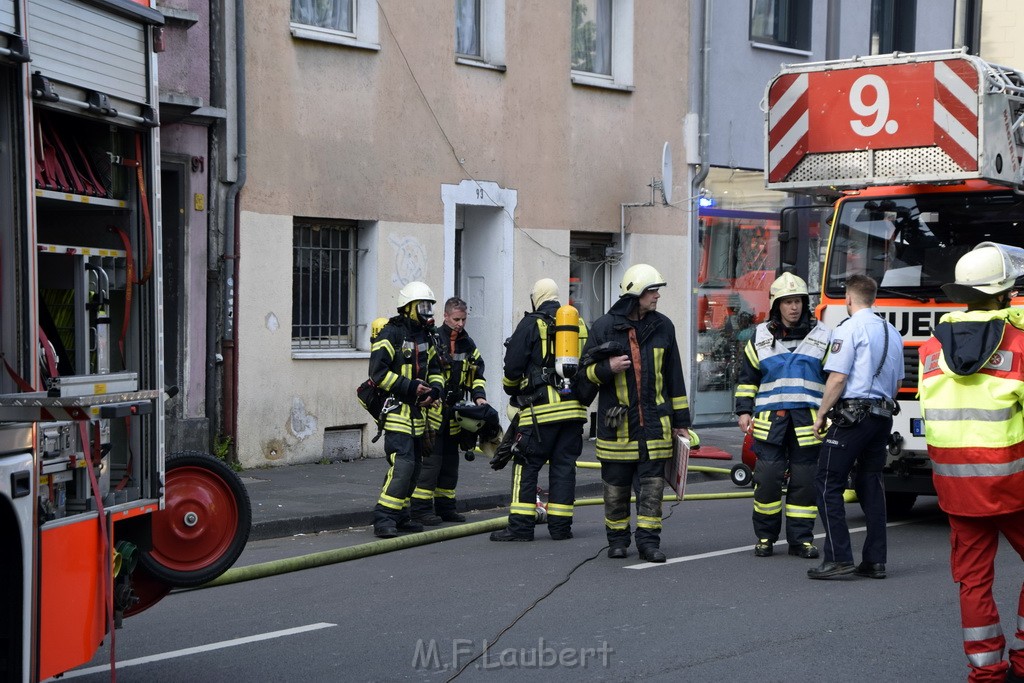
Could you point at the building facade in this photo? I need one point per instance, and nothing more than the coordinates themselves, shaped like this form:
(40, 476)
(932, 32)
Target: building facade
(474, 145)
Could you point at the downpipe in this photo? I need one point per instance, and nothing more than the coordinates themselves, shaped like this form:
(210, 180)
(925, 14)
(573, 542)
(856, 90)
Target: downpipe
(327, 557)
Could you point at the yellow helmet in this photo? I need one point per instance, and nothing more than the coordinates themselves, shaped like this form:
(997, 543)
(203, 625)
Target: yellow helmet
(376, 326)
(638, 278)
(785, 285)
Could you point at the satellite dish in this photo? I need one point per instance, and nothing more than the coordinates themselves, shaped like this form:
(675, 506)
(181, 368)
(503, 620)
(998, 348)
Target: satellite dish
(666, 174)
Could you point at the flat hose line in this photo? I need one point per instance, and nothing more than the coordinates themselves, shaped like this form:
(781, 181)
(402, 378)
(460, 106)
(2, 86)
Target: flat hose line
(326, 557)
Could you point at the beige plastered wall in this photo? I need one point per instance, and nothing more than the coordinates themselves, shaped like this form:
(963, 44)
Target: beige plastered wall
(339, 132)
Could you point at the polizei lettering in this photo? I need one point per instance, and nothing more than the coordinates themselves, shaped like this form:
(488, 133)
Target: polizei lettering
(914, 323)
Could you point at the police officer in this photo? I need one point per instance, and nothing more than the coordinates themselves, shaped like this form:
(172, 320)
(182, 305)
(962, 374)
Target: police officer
(550, 424)
(781, 380)
(403, 361)
(972, 398)
(433, 500)
(642, 407)
(865, 366)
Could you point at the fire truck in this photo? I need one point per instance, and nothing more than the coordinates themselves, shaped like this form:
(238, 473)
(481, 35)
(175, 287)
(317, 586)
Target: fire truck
(95, 523)
(919, 158)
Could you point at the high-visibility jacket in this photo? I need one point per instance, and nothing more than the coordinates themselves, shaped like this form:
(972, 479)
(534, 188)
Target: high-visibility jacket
(401, 353)
(463, 370)
(652, 390)
(781, 380)
(529, 357)
(972, 395)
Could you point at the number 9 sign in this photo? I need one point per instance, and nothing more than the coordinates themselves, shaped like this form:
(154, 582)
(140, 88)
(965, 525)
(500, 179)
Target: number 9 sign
(883, 107)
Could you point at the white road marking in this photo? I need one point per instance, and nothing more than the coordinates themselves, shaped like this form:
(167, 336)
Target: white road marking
(741, 549)
(195, 650)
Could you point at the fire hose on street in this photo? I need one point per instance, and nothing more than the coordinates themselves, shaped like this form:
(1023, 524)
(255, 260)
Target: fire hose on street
(335, 556)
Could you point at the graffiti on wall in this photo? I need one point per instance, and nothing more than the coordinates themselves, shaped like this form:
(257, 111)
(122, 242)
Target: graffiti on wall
(410, 259)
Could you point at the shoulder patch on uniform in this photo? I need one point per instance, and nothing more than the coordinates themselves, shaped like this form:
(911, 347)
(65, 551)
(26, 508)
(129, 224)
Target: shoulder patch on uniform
(931, 362)
(1000, 360)
(836, 345)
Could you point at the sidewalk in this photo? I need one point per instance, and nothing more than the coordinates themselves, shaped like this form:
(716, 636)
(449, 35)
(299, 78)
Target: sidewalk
(305, 499)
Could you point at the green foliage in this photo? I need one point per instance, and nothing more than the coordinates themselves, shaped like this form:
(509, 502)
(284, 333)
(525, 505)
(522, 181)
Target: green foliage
(222, 451)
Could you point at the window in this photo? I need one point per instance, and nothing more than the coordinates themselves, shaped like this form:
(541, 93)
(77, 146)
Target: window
(336, 15)
(344, 22)
(602, 43)
(467, 28)
(967, 25)
(781, 23)
(480, 33)
(323, 284)
(893, 23)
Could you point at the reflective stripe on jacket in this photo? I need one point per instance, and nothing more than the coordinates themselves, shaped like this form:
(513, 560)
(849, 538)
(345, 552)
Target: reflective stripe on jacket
(401, 353)
(526, 356)
(777, 384)
(972, 391)
(652, 390)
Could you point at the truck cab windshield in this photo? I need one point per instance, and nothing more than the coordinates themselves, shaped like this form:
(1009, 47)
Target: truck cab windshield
(910, 244)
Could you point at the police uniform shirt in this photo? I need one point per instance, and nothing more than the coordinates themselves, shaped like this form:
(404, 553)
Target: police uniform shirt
(858, 344)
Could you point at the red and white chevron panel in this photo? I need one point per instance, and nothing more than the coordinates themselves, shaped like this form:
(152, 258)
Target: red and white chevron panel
(877, 107)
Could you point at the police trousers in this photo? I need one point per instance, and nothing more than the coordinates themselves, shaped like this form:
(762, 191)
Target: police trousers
(557, 444)
(862, 445)
(973, 544)
(404, 453)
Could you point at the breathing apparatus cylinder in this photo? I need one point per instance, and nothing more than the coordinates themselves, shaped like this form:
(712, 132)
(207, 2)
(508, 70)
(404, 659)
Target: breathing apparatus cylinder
(567, 343)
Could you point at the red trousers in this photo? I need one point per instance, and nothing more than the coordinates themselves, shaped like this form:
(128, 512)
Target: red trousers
(974, 541)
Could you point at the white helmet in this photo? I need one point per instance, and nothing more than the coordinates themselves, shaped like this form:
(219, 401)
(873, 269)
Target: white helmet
(985, 271)
(785, 285)
(415, 291)
(638, 279)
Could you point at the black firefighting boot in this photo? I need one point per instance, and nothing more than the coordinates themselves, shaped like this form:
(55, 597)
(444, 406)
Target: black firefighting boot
(445, 510)
(422, 508)
(648, 518)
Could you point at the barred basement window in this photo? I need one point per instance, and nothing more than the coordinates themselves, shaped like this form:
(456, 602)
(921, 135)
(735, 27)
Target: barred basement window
(323, 284)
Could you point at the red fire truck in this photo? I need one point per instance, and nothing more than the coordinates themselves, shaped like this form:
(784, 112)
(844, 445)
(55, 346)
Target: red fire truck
(920, 157)
(95, 523)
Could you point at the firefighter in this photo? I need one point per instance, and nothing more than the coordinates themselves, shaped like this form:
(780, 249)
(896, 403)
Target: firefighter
(972, 399)
(404, 362)
(433, 500)
(550, 424)
(865, 366)
(781, 380)
(641, 408)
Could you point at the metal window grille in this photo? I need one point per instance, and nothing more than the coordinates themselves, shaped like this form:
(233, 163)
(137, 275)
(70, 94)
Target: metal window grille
(323, 285)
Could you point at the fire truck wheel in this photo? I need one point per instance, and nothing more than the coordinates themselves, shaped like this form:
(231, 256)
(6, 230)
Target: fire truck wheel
(204, 524)
(741, 475)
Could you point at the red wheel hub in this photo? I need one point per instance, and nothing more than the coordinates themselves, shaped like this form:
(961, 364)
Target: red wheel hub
(199, 521)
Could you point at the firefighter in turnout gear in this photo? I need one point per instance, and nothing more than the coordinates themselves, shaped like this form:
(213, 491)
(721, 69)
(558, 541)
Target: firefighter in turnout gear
(403, 361)
(779, 390)
(972, 399)
(550, 421)
(641, 408)
(433, 500)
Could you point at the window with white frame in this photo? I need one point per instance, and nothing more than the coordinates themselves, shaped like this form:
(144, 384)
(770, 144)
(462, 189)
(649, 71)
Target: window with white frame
(480, 33)
(781, 23)
(602, 43)
(323, 284)
(344, 22)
